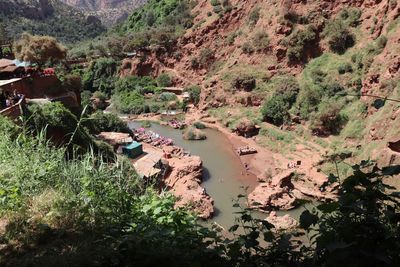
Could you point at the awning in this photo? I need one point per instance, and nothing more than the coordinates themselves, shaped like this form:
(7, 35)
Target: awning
(5, 63)
(5, 82)
(9, 69)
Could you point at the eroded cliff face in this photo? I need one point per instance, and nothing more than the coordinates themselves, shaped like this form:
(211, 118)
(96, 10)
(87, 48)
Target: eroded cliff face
(109, 11)
(227, 35)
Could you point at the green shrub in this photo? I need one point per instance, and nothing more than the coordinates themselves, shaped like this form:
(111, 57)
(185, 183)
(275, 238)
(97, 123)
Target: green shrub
(100, 95)
(106, 122)
(100, 75)
(247, 48)
(345, 67)
(129, 102)
(230, 39)
(351, 16)
(164, 80)
(298, 41)
(275, 110)
(166, 97)
(254, 16)
(199, 125)
(206, 56)
(329, 118)
(192, 133)
(194, 92)
(260, 40)
(142, 85)
(215, 2)
(339, 37)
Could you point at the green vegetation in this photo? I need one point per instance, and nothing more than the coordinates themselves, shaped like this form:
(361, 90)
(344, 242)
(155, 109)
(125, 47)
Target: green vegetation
(194, 92)
(164, 80)
(298, 41)
(254, 16)
(199, 125)
(174, 13)
(339, 36)
(100, 76)
(276, 108)
(193, 133)
(260, 40)
(39, 49)
(51, 18)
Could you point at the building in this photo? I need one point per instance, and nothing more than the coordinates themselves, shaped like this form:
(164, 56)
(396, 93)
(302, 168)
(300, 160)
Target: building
(133, 150)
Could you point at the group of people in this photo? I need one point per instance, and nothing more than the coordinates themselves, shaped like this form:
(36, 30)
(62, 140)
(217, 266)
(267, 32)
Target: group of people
(8, 99)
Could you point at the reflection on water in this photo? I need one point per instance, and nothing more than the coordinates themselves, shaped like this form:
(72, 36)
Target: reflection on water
(223, 175)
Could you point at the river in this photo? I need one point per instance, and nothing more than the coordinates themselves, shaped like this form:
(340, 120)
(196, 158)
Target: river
(224, 177)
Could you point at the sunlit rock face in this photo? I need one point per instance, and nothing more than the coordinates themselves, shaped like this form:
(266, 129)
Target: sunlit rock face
(109, 11)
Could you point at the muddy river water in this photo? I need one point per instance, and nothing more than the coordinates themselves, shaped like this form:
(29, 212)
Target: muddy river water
(224, 177)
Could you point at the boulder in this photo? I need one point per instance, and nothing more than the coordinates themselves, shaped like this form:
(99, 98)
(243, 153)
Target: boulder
(184, 181)
(281, 222)
(266, 197)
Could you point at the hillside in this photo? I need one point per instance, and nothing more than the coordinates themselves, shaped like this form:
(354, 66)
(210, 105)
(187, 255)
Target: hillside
(109, 11)
(313, 59)
(48, 17)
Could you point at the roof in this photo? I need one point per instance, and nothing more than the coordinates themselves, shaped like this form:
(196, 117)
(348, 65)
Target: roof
(133, 145)
(23, 64)
(5, 62)
(115, 138)
(11, 68)
(6, 82)
(145, 166)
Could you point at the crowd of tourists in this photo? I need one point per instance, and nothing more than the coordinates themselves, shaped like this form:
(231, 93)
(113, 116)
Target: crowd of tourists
(8, 99)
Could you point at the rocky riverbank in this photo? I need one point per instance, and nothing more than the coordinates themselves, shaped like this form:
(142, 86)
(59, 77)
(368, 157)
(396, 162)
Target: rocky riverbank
(184, 181)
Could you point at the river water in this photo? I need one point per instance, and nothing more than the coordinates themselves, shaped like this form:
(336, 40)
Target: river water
(224, 177)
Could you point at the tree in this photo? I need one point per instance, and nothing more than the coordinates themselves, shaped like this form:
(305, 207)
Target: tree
(39, 49)
(275, 109)
(4, 38)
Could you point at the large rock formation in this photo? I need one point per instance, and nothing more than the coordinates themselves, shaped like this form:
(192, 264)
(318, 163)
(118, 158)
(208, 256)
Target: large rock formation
(109, 11)
(184, 182)
(281, 191)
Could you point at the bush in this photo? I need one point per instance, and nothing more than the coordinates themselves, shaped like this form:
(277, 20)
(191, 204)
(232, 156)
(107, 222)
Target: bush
(142, 85)
(261, 40)
(254, 16)
(199, 125)
(275, 110)
(339, 37)
(298, 41)
(192, 133)
(247, 48)
(345, 67)
(100, 75)
(215, 2)
(106, 122)
(194, 92)
(351, 16)
(329, 119)
(129, 102)
(206, 56)
(166, 97)
(100, 95)
(164, 80)
(247, 83)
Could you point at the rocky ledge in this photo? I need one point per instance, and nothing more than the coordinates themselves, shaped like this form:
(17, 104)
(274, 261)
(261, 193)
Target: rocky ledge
(184, 182)
(281, 222)
(281, 191)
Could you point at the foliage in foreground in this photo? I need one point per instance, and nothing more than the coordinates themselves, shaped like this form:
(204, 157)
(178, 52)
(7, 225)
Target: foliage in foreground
(46, 197)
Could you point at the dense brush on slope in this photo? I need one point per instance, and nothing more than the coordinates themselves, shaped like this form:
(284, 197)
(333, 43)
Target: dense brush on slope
(331, 48)
(48, 17)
